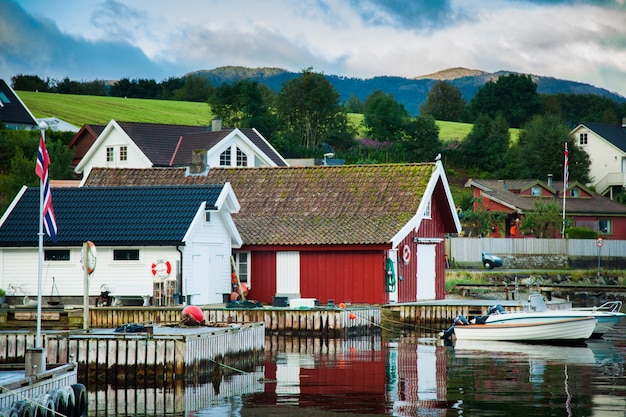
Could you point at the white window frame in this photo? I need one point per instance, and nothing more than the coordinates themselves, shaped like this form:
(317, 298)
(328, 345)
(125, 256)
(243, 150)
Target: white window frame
(535, 191)
(583, 139)
(607, 230)
(110, 154)
(242, 158)
(243, 267)
(226, 158)
(123, 153)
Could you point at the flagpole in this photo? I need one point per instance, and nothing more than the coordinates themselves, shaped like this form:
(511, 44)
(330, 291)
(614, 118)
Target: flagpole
(565, 185)
(42, 126)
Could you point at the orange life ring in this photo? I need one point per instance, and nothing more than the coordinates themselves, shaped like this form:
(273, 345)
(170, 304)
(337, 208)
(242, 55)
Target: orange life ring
(88, 259)
(406, 254)
(161, 269)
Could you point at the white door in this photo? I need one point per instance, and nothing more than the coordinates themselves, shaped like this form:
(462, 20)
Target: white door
(288, 273)
(425, 272)
(211, 274)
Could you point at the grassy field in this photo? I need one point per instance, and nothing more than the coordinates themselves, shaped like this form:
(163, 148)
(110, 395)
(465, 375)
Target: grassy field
(79, 110)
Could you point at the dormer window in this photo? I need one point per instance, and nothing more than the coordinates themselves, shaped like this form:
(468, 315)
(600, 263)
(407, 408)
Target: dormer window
(574, 192)
(225, 158)
(535, 191)
(242, 158)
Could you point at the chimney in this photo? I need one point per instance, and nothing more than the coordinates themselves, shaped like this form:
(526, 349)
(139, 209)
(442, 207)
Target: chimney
(198, 161)
(549, 180)
(216, 125)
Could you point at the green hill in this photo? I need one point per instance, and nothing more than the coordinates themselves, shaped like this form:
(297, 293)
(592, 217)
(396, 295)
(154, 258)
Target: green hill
(79, 110)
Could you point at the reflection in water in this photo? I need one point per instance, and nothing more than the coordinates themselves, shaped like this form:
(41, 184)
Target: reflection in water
(406, 376)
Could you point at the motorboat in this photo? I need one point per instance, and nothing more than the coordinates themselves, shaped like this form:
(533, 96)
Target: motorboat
(606, 315)
(566, 330)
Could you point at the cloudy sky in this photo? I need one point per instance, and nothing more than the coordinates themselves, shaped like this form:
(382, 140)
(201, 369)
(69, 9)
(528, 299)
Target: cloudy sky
(578, 40)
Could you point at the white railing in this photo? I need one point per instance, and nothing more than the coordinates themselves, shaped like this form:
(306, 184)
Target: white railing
(613, 178)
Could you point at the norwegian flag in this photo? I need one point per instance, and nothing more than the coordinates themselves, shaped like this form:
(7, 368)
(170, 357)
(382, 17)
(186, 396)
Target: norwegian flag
(43, 160)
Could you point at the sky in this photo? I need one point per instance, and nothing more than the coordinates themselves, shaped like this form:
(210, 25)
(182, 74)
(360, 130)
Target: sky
(576, 40)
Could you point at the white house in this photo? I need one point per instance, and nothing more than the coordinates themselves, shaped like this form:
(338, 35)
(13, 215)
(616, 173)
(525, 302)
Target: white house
(148, 145)
(606, 146)
(151, 241)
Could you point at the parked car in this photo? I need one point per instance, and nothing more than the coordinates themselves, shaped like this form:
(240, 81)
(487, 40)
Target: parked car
(491, 261)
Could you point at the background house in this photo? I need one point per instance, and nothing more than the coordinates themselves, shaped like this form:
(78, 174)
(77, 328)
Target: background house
(13, 112)
(606, 146)
(364, 234)
(517, 197)
(151, 241)
(147, 145)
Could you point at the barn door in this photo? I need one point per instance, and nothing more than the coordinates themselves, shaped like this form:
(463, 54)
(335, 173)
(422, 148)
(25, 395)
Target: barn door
(425, 272)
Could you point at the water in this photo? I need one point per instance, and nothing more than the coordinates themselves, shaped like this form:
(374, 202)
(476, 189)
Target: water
(400, 376)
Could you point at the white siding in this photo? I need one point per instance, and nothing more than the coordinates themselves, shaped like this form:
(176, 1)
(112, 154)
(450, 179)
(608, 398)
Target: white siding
(19, 266)
(604, 157)
(206, 261)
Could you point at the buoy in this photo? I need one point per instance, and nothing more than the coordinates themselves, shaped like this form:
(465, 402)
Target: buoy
(192, 315)
(352, 316)
(342, 305)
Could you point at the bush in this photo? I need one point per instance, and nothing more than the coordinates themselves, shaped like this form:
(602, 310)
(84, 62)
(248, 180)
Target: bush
(581, 233)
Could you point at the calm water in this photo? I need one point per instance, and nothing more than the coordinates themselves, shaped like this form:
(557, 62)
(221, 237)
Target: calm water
(398, 376)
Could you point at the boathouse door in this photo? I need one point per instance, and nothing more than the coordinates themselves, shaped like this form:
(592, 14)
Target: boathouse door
(288, 274)
(425, 272)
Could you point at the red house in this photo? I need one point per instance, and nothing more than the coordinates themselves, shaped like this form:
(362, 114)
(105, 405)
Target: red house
(355, 233)
(583, 207)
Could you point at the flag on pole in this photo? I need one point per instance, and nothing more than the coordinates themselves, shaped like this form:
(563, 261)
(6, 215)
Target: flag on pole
(566, 168)
(43, 160)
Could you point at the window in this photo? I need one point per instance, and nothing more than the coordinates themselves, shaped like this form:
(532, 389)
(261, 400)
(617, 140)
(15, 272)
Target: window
(225, 158)
(110, 154)
(582, 139)
(604, 226)
(123, 153)
(427, 210)
(4, 98)
(574, 192)
(207, 216)
(242, 262)
(126, 254)
(56, 255)
(242, 158)
(535, 191)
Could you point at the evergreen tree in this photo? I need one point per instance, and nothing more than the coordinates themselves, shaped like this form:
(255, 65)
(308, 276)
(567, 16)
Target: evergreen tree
(487, 145)
(444, 102)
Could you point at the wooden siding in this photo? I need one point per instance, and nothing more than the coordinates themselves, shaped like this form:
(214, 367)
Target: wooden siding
(343, 276)
(262, 276)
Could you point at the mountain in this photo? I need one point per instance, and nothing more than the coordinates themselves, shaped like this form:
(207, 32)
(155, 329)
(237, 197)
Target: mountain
(411, 92)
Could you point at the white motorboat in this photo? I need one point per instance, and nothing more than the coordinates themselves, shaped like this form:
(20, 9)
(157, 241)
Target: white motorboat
(567, 330)
(606, 315)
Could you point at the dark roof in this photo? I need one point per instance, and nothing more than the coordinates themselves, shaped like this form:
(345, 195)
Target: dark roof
(12, 110)
(256, 138)
(137, 216)
(615, 134)
(342, 205)
(508, 191)
(192, 141)
(83, 139)
(158, 141)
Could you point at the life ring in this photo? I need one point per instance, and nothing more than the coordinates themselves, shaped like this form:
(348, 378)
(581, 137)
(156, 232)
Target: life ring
(88, 260)
(406, 254)
(161, 269)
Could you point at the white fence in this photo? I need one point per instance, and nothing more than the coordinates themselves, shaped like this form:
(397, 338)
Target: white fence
(468, 250)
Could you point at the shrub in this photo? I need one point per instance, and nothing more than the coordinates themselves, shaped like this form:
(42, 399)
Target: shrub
(581, 233)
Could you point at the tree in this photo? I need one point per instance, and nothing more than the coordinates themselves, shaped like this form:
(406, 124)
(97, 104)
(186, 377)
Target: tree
(309, 112)
(385, 118)
(195, 88)
(444, 102)
(420, 141)
(515, 96)
(29, 83)
(243, 104)
(354, 105)
(487, 145)
(544, 220)
(540, 151)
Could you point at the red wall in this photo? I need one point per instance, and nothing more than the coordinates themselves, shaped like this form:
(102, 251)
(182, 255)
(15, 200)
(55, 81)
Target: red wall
(263, 276)
(356, 275)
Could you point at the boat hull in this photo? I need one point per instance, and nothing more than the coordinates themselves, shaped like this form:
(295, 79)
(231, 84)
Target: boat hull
(605, 321)
(566, 330)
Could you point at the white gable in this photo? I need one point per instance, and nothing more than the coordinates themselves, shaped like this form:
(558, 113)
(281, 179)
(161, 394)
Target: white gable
(113, 149)
(243, 153)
